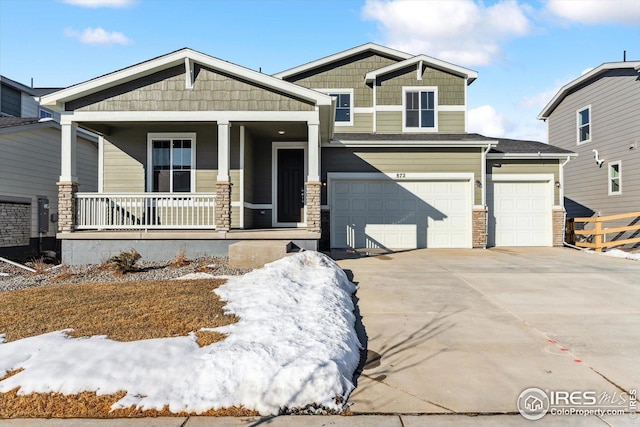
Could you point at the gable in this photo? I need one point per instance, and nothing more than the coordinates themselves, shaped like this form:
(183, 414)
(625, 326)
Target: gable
(345, 73)
(165, 90)
(451, 88)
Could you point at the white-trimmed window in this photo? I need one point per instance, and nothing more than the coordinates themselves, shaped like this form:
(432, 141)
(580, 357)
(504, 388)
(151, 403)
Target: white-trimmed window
(420, 109)
(171, 158)
(583, 117)
(615, 178)
(344, 105)
(45, 114)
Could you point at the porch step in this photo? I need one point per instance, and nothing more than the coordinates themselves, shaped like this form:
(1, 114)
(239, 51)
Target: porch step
(257, 253)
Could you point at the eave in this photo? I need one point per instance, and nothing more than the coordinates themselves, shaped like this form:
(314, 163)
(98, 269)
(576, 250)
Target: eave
(564, 90)
(468, 74)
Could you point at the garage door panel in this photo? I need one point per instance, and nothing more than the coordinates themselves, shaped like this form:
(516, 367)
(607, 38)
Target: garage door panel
(519, 213)
(404, 214)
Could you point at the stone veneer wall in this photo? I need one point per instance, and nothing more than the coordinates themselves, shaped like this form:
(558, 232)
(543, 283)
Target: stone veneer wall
(558, 227)
(223, 206)
(15, 224)
(313, 206)
(67, 206)
(479, 228)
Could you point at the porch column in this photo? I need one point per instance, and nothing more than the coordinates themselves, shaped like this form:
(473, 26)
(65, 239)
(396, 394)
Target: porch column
(68, 183)
(313, 184)
(223, 180)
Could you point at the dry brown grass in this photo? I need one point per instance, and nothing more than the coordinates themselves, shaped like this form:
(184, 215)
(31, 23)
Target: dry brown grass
(88, 405)
(180, 260)
(39, 265)
(126, 311)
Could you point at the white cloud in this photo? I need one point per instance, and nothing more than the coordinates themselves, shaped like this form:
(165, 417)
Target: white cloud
(464, 32)
(539, 100)
(597, 11)
(517, 123)
(100, 3)
(98, 36)
(485, 120)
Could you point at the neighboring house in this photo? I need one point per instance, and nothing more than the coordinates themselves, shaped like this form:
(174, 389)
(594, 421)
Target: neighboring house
(29, 169)
(366, 148)
(597, 115)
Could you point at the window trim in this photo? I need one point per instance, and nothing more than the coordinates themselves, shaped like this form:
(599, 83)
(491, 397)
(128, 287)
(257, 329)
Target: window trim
(405, 90)
(48, 113)
(152, 136)
(609, 178)
(348, 91)
(578, 111)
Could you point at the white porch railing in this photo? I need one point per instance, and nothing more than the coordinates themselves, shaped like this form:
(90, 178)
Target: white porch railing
(144, 211)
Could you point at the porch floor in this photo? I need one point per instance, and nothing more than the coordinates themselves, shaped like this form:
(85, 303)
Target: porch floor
(236, 234)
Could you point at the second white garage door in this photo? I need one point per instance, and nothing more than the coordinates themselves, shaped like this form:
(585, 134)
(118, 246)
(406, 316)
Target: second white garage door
(379, 213)
(519, 213)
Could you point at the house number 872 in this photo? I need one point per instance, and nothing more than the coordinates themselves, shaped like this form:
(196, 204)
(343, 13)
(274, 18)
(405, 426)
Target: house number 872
(401, 175)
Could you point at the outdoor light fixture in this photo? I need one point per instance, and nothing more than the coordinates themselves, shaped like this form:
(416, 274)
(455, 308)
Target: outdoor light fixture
(281, 132)
(478, 183)
(558, 184)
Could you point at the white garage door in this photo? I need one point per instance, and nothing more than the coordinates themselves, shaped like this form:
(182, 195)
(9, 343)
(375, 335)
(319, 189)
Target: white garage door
(519, 213)
(400, 214)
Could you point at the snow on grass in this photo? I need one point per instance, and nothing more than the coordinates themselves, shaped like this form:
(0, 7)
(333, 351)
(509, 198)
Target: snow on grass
(295, 345)
(617, 253)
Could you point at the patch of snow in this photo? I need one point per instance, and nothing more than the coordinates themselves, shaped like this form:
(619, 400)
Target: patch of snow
(617, 253)
(224, 276)
(294, 345)
(4, 274)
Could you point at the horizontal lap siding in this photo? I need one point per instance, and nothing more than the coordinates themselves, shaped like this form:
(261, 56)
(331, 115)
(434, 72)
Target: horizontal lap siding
(401, 160)
(451, 122)
(389, 121)
(30, 167)
(362, 123)
(165, 91)
(614, 126)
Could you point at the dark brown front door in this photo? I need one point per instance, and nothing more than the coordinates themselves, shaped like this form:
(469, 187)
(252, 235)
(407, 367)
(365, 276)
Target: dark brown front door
(290, 185)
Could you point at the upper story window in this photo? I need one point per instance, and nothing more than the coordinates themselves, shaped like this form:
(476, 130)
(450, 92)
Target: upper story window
(344, 105)
(172, 163)
(615, 178)
(584, 125)
(45, 114)
(420, 109)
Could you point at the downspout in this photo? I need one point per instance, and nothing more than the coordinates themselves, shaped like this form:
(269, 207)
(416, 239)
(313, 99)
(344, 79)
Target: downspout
(484, 191)
(561, 196)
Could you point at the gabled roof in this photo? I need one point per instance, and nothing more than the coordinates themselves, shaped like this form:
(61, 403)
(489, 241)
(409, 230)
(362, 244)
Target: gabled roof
(368, 47)
(470, 75)
(585, 78)
(178, 57)
(16, 85)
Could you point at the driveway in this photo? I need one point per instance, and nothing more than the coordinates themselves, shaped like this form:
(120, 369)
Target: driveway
(466, 331)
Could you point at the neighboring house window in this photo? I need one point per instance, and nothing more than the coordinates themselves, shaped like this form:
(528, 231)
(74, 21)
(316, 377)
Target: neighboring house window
(44, 114)
(172, 163)
(344, 105)
(615, 178)
(420, 109)
(584, 125)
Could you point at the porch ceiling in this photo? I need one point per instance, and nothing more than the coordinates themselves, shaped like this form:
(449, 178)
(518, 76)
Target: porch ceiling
(293, 131)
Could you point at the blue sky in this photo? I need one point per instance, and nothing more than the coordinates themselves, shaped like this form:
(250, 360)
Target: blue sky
(524, 51)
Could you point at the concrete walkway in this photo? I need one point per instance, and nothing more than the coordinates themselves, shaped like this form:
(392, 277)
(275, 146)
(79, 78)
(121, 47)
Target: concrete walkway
(466, 331)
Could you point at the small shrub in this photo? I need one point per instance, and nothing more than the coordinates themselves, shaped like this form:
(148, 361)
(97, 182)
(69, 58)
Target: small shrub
(65, 273)
(39, 265)
(125, 261)
(180, 260)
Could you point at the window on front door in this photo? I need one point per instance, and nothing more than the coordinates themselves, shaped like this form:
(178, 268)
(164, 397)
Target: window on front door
(172, 165)
(420, 110)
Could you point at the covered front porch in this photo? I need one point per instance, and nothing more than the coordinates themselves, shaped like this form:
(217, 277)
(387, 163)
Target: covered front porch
(193, 175)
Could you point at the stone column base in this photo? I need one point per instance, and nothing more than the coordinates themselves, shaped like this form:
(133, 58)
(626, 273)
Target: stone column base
(313, 206)
(558, 227)
(479, 228)
(67, 206)
(223, 206)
